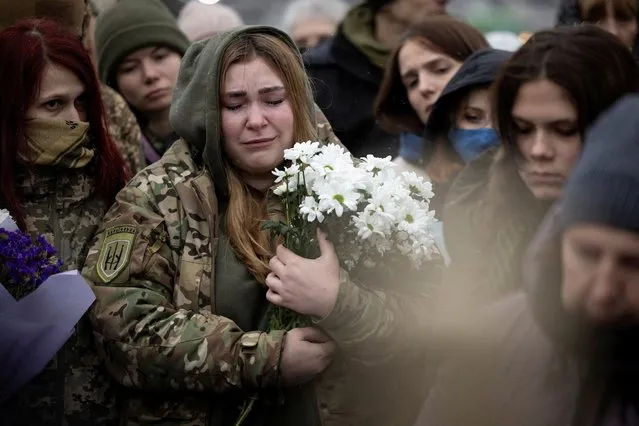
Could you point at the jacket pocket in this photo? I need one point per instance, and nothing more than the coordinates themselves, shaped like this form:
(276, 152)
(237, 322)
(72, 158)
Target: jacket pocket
(194, 283)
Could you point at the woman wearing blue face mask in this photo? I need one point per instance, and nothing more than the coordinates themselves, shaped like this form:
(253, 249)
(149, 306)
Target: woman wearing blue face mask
(462, 116)
(417, 72)
(461, 119)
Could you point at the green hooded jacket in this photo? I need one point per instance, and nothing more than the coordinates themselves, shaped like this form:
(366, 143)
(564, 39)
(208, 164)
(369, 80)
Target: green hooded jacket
(177, 317)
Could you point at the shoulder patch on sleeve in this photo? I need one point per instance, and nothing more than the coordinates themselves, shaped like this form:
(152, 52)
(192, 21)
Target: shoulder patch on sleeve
(115, 252)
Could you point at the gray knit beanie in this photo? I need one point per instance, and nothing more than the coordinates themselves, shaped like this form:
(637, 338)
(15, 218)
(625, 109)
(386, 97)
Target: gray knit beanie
(604, 187)
(132, 25)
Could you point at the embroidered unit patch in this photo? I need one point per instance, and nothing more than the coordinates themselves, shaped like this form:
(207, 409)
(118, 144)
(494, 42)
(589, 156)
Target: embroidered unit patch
(115, 252)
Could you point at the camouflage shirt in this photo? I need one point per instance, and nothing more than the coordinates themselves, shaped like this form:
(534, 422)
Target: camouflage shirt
(123, 128)
(74, 389)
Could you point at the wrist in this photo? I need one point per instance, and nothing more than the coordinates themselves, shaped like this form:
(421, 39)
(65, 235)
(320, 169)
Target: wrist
(332, 300)
(260, 358)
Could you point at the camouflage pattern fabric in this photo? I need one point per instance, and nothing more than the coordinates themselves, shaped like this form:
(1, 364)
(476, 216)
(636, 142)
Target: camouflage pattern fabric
(123, 128)
(152, 266)
(75, 388)
(155, 324)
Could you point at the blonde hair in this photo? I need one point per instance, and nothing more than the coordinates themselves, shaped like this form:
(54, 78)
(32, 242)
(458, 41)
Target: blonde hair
(247, 208)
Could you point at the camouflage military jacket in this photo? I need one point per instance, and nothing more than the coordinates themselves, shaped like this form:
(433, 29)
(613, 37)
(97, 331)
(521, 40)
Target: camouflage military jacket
(74, 389)
(123, 128)
(156, 326)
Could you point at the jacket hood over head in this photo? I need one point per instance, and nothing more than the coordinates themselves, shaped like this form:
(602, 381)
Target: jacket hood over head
(195, 111)
(479, 69)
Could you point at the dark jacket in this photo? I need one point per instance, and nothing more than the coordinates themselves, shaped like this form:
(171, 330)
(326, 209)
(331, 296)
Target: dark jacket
(525, 361)
(345, 84)
(485, 252)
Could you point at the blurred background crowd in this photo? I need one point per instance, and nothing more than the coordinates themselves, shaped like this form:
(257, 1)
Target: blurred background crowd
(512, 15)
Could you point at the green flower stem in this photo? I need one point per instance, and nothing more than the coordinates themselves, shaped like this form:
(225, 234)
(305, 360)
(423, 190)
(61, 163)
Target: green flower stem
(300, 239)
(245, 412)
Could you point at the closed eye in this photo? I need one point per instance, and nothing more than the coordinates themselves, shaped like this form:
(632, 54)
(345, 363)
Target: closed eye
(567, 131)
(472, 117)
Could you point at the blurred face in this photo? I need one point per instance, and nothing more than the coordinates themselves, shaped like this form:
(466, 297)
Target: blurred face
(621, 24)
(412, 12)
(425, 73)
(475, 111)
(601, 274)
(257, 118)
(309, 32)
(61, 96)
(146, 78)
(548, 137)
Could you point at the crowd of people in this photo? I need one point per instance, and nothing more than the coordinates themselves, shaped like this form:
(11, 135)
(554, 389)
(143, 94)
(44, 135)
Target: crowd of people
(141, 145)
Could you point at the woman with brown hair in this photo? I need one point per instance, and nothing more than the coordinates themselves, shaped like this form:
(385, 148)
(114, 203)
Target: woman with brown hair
(547, 95)
(181, 261)
(618, 17)
(419, 68)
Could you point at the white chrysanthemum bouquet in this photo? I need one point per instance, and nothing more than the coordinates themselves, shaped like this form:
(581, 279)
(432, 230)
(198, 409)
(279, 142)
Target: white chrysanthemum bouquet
(373, 215)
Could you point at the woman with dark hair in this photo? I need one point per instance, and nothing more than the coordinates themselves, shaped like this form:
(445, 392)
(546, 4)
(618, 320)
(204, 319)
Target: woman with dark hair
(60, 171)
(549, 92)
(419, 68)
(563, 351)
(616, 16)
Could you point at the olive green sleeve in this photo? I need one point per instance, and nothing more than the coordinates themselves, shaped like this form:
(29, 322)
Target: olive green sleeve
(374, 326)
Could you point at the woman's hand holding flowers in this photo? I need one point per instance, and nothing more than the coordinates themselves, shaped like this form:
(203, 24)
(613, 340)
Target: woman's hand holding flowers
(306, 286)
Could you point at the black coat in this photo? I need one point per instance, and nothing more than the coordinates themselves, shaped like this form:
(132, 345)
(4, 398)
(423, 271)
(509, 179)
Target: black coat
(346, 84)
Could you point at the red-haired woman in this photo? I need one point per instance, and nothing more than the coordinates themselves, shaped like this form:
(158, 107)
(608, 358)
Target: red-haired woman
(60, 172)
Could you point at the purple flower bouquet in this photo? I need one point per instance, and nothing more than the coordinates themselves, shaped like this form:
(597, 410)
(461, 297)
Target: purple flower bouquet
(39, 307)
(25, 263)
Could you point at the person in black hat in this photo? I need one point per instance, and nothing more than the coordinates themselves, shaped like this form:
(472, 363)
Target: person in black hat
(347, 70)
